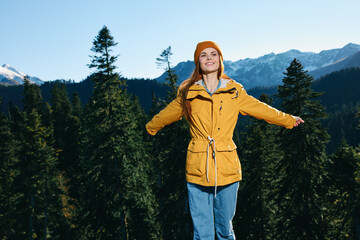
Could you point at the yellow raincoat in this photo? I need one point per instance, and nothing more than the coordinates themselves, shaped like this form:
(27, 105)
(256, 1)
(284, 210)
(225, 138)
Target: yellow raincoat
(212, 159)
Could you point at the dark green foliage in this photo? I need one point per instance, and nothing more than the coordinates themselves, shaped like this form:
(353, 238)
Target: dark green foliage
(36, 208)
(32, 98)
(301, 174)
(118, 202)
(117, 169)
(76, 105)
(140, 87)
(342, 123)
(340, 87)
(344, 193)
(66, 125)
(342, 99)
(61, 117)
(259, 156)
(7, 160)
(73, 146)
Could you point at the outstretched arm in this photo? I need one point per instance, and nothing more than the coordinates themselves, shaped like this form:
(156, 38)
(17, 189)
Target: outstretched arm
(171, 113)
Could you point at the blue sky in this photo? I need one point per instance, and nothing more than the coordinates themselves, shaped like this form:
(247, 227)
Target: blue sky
(51, 39)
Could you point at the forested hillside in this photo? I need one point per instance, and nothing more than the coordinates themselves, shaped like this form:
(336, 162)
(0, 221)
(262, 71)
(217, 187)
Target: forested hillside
(142, 88)
(341, 99)
(77, 163)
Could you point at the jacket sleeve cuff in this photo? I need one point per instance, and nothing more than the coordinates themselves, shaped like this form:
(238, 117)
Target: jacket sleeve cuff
(149, 131)
(293, 122)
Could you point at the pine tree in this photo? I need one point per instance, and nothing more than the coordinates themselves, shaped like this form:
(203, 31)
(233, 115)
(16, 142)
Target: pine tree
(118, 201)
(32, 97)
(37, 206)
(258, 154)
(67, 143)
(7, 161)
(76, 105)
(61, 115)
(357, 196)
(164, 62)
(103, 45)
(301, 169)
(344, 204)
(169, 151)
(74, 146)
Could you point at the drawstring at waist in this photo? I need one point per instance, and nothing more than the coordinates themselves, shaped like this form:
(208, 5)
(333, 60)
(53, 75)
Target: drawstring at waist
(212, 141)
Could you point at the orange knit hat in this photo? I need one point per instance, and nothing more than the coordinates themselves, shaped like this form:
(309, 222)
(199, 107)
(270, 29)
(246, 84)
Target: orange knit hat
(206, 44)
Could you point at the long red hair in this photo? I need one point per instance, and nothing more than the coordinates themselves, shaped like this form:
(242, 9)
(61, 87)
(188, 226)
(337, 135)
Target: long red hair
(195, 76)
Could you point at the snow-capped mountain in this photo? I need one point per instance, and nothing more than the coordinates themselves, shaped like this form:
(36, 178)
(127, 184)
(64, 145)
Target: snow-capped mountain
(268, 70)
(11, 76)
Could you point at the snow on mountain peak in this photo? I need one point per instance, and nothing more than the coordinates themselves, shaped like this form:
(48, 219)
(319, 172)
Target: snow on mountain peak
(11, 76)
(7, 66)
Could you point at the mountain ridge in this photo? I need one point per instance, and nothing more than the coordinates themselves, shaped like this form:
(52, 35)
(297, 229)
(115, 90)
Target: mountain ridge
(264, 71)
(349, 62)
(268, 69)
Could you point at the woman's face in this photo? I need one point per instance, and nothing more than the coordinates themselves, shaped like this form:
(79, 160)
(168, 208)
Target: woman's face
(209, 60)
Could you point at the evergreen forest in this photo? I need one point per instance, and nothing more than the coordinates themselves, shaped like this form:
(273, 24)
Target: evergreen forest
(77, 163)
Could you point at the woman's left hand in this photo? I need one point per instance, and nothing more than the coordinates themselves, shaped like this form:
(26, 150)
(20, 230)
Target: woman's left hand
(298, 120)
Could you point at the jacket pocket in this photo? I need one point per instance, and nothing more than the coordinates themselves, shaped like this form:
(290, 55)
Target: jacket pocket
(196, 158)
(227, 158)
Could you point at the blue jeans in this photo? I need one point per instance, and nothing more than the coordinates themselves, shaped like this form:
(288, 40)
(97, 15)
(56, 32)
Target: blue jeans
(212, 215)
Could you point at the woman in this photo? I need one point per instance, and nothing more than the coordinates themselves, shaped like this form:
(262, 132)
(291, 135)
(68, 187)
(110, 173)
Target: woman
(211, 102)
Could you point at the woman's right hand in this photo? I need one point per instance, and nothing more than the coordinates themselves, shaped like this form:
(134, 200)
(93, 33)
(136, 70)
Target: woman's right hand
(298, 121)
